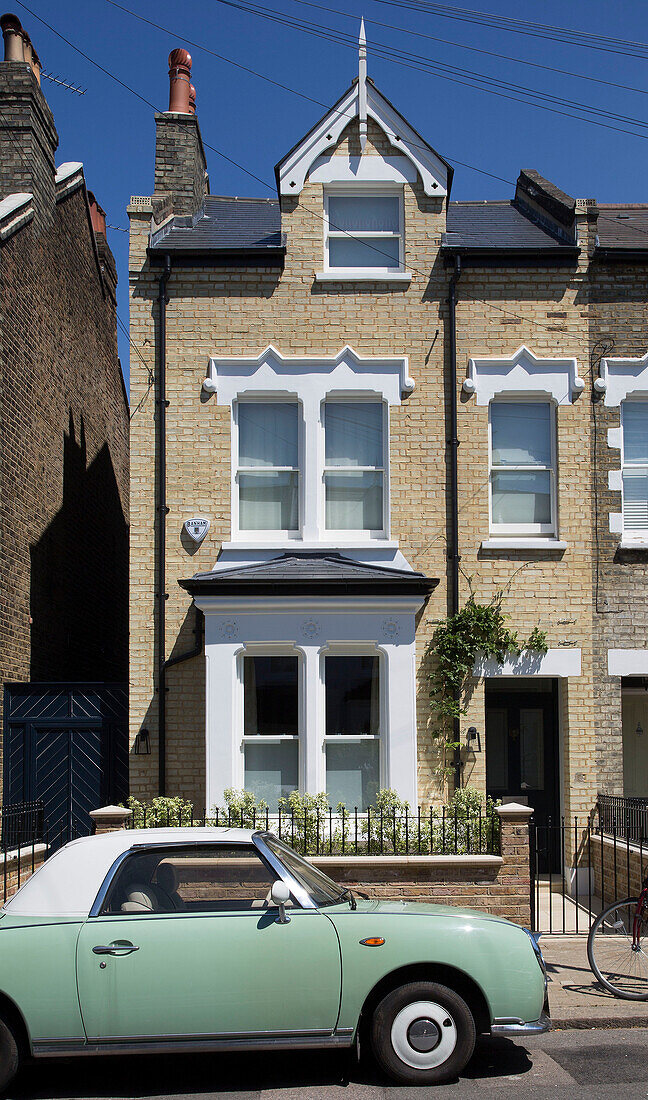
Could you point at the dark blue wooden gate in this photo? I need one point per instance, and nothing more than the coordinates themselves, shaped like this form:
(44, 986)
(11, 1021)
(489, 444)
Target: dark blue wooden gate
(66, 745)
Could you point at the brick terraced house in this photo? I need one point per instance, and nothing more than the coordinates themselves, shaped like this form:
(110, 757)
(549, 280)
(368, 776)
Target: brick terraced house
(63, 470)
(293, 485)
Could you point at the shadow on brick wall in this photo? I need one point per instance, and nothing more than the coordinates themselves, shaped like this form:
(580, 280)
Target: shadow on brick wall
(79, 574)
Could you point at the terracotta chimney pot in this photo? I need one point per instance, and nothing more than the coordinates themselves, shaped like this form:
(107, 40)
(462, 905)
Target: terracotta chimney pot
(192, 99)
(179, 74)
(12, 33)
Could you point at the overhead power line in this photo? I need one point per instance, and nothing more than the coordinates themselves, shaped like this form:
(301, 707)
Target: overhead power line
(315, 213)
(562, 35)
(440, 70)
(526, 62)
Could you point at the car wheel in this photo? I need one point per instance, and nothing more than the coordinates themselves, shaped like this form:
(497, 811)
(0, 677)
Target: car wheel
(9, 1055)
(422, 1033)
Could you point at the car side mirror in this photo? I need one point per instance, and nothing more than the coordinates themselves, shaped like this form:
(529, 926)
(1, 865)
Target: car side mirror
(280, 894)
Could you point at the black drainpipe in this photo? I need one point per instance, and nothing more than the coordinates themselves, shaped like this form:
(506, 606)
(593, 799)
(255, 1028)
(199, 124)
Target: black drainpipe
(453, 444)
(161, 594)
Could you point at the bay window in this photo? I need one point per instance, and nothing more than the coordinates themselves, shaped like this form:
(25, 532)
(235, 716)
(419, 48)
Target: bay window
(634, 474)
(268, 466)
(522, 468)
(354, 466)
(352, 729)
(271, 726)
(364, 231)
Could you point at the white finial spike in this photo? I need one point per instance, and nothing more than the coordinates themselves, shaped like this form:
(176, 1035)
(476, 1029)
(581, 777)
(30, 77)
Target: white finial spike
(362, 86)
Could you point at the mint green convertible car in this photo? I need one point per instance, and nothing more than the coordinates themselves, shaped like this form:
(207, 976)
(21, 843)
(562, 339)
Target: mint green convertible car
(226, 939)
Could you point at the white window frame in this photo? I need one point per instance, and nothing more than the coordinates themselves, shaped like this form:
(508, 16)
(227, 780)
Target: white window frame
(359, 649)
(262, 534)
(345, 532)
(543, 530)
(363, 191)
(638, 534)
(266, 650)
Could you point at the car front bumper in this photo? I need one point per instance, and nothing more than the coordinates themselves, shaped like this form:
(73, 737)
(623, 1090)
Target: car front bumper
(522, 1027)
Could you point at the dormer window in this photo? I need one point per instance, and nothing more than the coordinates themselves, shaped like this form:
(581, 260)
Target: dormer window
(364, 231)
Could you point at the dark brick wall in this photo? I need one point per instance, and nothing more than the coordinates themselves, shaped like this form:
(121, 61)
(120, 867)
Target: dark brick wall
(28, 140)
(618, 312)
(63, 458)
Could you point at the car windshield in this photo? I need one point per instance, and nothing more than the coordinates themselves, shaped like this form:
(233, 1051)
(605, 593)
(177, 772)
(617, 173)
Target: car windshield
(322, 889)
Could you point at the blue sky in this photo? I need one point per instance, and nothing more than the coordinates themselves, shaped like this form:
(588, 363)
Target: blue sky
(254, 123)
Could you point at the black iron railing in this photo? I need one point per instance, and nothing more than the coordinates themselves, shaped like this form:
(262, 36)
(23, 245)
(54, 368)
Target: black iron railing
(623, 817)
(409, 832)
(20, 824)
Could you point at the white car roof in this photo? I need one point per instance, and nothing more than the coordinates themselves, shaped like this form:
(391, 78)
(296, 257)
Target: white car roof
(69, 881)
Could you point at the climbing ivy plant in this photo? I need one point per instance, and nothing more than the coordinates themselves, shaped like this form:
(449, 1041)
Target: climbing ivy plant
(478, 629)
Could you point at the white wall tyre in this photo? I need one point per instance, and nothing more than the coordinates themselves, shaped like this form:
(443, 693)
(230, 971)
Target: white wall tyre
(422, 1033)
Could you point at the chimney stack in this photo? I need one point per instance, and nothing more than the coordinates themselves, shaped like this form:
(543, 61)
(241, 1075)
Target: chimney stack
(180, 163)
(28, 137)
(97, 215)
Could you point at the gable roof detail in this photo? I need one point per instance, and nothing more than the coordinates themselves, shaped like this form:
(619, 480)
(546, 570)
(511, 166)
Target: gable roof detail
(291, 171)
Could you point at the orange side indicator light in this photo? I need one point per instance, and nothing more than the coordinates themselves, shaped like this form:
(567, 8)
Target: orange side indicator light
(372, 941)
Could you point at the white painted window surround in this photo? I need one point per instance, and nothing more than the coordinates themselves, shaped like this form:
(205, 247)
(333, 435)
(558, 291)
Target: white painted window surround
(311, 383)
(624, 382)
(364, 232)
(311, 630)
(525, 378)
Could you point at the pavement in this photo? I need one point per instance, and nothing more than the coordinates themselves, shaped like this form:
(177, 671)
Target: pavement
(576, 999)
(563, 1065)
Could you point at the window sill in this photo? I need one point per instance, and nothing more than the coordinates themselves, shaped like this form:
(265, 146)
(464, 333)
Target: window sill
(633, 544)
(360, 275)
(310, 544)
(523, 543)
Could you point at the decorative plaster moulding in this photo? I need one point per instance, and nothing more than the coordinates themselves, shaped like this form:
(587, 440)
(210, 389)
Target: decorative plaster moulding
(369, 169)
(627, 662)
(555, 662)
(316, 376)
(619, 378)
(523, 373)
(295, 167)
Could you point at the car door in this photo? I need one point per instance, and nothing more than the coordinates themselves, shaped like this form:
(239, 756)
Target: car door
(186, 945)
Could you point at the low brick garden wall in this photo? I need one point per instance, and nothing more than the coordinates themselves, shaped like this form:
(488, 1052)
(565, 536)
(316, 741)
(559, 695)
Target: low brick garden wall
(618, 867)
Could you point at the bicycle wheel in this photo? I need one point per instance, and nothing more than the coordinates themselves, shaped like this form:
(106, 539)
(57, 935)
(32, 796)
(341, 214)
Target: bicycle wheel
(619, 966)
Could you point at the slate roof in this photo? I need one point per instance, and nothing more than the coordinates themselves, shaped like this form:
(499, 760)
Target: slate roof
(501, 226)
(623, 227)
(224, 226)
(310, 574)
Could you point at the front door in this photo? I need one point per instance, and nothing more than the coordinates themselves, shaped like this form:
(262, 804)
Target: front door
(197, 952)
(522, 750)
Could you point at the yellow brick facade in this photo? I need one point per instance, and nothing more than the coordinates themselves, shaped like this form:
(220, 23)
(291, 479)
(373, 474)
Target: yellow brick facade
(239, 311)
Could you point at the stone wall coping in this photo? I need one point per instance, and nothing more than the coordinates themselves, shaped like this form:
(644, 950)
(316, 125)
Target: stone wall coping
(411, 861)
(111, 815)
(26, 853)
(514, 811)
(621, 843)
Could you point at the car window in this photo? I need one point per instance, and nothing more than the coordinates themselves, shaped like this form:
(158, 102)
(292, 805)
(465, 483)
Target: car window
(321, 889)
(199, 879)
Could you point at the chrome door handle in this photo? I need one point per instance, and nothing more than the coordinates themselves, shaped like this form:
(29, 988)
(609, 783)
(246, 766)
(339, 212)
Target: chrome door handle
(119, 947)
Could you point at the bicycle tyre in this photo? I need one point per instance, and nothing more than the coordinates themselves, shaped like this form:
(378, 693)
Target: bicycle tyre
(619, 969)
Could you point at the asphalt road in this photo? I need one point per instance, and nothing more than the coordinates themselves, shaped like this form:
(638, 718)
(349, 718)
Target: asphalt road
(563, 1064)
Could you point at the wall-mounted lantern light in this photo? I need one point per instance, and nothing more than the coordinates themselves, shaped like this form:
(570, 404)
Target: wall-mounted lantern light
(473, 740)
(639, 729)
(142, 746)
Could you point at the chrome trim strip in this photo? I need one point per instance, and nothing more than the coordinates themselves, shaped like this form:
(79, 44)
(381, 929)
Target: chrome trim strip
(295, 887)
(105, 886)
(52, 1048)
(505, 1026)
